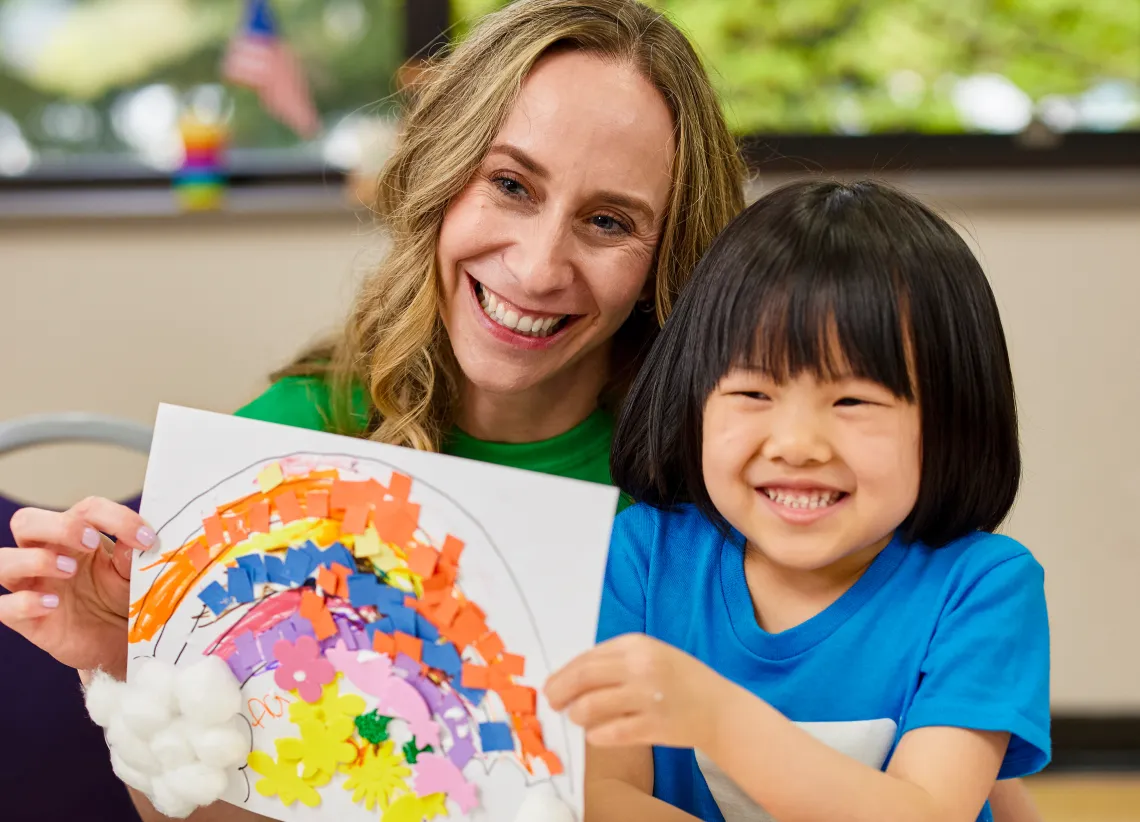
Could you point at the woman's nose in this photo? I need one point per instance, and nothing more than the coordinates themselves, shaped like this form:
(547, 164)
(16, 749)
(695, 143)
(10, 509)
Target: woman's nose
(542, 260)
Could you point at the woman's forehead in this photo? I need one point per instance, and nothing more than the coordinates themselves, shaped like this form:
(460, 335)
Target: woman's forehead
(583, 117)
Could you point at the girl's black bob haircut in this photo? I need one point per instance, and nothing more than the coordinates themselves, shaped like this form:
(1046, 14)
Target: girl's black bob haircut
(818, 268)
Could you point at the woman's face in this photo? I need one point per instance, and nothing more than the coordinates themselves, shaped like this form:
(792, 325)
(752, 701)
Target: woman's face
(544, 253)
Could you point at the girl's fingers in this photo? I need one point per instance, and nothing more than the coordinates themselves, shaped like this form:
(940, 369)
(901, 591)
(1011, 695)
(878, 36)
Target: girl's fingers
(605, 705)
(20, 565)
(79, 528)
(23, 606)
(621, 732)
(592, 670)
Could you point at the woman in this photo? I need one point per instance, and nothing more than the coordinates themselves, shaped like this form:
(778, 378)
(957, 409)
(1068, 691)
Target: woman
(557, 178)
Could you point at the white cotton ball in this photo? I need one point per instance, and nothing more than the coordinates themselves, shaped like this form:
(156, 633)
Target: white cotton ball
(207, 691)
(133, 750)
(156, 678)
(144, 714)
(197, 783)
(542, 804)
(130, 776)
(171, 746)
(167, 801)
(222, 746)
(102, 698)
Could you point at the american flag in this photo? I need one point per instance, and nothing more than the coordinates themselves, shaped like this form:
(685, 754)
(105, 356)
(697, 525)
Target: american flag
(259, 59)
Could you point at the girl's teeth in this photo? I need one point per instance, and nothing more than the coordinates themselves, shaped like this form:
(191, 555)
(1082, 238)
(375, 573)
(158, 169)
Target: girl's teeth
(810, 500)
(509, 318)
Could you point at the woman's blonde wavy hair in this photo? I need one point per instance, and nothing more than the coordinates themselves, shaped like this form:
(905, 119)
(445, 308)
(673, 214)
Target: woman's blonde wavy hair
(395, 344)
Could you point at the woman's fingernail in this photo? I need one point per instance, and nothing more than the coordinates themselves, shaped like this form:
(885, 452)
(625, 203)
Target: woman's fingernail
(66, 564)
(91, 538)
(50, 601)
(145, 536)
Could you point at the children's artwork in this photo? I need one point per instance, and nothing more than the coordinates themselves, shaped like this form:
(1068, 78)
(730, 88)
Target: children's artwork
(390, 614)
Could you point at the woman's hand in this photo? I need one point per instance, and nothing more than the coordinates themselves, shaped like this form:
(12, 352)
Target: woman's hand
(635, 690)
(70, 584)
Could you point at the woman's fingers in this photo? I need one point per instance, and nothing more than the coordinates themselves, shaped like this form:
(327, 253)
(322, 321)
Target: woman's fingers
(21, 607)
(19, 566)
(79, 528)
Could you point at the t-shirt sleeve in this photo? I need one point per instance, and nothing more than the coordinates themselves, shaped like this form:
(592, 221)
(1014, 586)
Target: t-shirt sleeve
(987, 667)
(627, 573)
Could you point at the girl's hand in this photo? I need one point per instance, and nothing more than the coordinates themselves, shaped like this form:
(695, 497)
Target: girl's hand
(70, 584)
(635, 690)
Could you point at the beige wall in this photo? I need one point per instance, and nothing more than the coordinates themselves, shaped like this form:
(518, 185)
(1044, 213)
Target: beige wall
(117, 315)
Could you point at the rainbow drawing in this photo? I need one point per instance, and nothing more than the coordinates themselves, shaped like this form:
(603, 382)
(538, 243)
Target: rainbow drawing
(372, 677)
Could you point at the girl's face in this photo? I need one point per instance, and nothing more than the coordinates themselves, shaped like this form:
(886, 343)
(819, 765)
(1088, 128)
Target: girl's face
(811, 472)
(545, 252)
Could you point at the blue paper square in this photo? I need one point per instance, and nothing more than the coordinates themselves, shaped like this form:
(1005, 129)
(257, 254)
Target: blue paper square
(239, 585)
(443, 658)
(473, 695)
(425, 630)
(402, 618)
(275, 571)
(389, 597)
(382, 625)
(337, 554)
(298, 565)
(363, 589)
(254, 565)
(496, 736)
(216, 598)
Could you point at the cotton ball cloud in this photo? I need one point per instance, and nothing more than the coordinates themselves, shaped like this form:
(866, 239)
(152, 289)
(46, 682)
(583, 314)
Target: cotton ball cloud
(542, 804)
(174, 732)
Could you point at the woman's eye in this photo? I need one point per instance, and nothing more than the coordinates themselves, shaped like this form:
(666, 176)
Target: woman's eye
(609, 224)
(510, 186)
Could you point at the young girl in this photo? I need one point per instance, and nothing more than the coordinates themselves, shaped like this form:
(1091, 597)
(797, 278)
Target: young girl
(809, 616)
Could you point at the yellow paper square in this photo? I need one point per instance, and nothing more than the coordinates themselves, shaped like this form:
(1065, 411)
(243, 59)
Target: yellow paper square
(270, 477)
(385, 559)
(367, 544)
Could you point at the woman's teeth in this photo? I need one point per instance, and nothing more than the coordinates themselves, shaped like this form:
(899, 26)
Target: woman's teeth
(508, 317)
(800, 499)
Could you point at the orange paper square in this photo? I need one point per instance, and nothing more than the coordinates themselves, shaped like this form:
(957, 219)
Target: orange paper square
(383, 643)
(197, 555)
(446, 611)
(287, 507)
(317, 504)
(513, 664)
(552, 762)
(466, 628)
(215, 533)
(475, 676)
(422, 560)
(452, 548)
(489, 647)
(400, 486)
(259, 517)
(355, 520)
(328, 580)
(235, 528)
(410, 645)
(519, 699)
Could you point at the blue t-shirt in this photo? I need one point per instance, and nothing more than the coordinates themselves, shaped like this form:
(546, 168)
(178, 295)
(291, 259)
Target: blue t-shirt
(955, 636)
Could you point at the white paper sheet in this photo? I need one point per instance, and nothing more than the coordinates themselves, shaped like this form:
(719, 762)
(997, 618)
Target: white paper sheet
(534, 559)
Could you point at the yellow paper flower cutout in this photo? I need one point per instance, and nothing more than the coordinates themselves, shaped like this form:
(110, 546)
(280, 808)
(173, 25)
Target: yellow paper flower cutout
(412, 808)
(281, 779)
(329, 707)
(378, 777)
(320, 750)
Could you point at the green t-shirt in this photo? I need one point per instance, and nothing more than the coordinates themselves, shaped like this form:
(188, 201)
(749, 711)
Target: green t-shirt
(581, 453)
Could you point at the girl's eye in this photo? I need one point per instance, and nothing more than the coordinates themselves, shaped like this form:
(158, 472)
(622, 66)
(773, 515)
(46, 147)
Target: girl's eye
(509, 186)
(609, 224)
(850, 401)
(753, 395)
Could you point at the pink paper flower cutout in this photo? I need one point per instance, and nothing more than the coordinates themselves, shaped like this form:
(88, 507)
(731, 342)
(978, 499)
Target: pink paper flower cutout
(300, 667)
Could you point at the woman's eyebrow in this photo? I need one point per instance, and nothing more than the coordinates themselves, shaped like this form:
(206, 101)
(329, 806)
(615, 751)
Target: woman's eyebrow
(613, 198)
